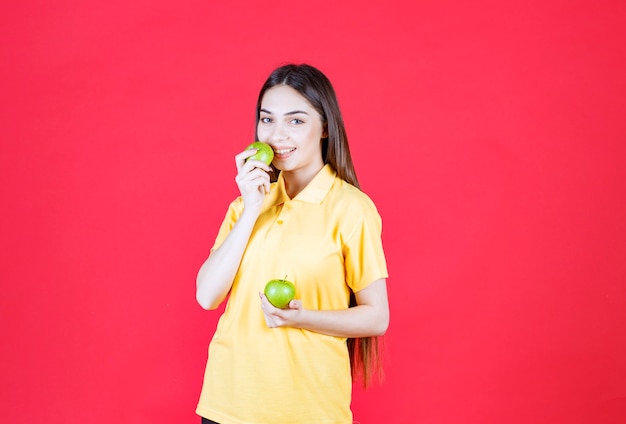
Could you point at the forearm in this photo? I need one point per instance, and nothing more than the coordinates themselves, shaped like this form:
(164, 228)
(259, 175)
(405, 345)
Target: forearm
(369, 318)
(358, 321)
(217, 273)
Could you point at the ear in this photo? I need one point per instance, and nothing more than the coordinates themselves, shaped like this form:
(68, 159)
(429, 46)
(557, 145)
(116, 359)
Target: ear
(325, 131)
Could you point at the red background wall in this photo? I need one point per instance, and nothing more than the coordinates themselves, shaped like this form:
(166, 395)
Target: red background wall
(490, 134)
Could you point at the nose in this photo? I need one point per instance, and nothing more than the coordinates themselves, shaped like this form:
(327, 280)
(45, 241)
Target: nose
(278, 133)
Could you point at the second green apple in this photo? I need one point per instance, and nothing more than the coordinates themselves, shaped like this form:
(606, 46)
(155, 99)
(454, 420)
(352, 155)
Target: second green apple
(280, 292)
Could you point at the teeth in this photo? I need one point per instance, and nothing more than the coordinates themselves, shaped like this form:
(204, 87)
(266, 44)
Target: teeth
(283, 151)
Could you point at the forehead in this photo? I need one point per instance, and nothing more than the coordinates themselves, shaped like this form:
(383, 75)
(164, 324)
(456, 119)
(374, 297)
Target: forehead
(284, 99)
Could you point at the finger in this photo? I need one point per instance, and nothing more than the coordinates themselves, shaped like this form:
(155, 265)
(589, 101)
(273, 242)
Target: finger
(260, 180)
(265, 304)
(240, 158)
(266, 186)
(259, 173)
(267, 314)
(295, 304)
(255, 184)
(258, 176)
(250, 167)
(259, 164)
(269, 322)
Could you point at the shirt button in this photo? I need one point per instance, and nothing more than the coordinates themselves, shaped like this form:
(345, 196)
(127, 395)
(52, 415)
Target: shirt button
(279, 222)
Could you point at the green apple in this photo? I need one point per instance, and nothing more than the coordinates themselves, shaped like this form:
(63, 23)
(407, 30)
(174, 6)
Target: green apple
(280, 292)
(264, 152)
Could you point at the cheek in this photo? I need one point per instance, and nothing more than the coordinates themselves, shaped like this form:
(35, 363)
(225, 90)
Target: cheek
(316, 137)
(260, 132)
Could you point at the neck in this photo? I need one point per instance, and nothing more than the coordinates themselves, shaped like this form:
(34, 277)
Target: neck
(296, 181)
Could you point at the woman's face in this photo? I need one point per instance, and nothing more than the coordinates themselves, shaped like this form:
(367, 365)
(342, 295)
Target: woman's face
(293, 128)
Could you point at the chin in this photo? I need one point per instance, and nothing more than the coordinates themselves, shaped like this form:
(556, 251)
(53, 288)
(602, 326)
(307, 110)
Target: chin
(283, 167)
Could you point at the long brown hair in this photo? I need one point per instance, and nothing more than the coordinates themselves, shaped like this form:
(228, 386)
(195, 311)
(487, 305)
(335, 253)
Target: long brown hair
(315, 87)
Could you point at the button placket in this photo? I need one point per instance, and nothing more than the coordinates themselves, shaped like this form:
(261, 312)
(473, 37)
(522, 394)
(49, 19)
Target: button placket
(284, 210)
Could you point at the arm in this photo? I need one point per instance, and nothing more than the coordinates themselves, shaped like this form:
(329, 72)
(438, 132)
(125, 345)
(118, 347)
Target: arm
(369, 318)
(217, 273)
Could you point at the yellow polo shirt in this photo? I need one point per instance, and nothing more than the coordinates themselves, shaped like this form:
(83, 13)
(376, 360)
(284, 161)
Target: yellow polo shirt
(327, 241)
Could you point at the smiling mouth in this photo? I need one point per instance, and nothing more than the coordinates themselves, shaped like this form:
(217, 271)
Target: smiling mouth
(284, 151)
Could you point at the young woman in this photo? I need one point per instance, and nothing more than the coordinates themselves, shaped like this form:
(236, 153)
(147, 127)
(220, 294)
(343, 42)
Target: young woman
(304, 219)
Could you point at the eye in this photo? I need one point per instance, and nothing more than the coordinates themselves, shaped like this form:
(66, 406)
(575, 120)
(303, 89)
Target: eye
(297, 121)
(266, 120)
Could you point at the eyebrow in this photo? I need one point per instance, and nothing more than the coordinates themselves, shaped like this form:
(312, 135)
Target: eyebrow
(293, 112)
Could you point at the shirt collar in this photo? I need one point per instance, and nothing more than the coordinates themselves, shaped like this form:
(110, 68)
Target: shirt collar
(314, 192)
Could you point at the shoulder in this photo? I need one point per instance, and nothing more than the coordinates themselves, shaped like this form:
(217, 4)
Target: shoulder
(237, 203)
(351, 199)
(358, 220)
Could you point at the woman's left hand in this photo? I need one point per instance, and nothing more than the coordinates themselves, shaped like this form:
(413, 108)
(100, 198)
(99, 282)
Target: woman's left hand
(276, 317)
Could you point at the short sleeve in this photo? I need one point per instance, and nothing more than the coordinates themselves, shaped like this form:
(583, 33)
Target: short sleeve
(232, 215)
(363, 251)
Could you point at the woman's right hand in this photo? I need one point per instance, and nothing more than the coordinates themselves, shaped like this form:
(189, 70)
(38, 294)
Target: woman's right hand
(253, 179)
